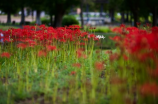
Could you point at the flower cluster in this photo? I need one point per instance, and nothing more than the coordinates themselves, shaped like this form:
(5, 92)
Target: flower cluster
(139, 47)
(47, 38)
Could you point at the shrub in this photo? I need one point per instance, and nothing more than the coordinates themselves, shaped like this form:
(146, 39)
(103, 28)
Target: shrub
(100, 30)
(69, 20)
(45, 21)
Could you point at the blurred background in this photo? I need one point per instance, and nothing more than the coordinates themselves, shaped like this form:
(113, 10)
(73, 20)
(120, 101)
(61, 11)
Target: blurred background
(58, 13)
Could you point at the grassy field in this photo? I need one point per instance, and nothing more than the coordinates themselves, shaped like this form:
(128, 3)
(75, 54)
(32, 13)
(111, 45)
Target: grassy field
(6, 27)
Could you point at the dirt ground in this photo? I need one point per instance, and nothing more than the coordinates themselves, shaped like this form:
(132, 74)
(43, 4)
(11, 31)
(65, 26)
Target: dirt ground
(17, 19)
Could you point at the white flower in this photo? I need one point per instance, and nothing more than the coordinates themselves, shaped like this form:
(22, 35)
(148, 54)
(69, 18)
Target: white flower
(1, 41)
(100, 36)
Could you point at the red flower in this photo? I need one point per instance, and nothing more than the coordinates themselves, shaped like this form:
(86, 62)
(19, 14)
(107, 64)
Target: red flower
(72, 73)
(50, 48)
(78, 65)
(113, 56)
(99, 65)
(115, 38)
(79, 53)
(122, 25)
(138, 23)
(91, 36)
(22, 45)
(5, 54)
(41, 53)
(125, 57)
(117, 30)
(74, 27)
(149, 89)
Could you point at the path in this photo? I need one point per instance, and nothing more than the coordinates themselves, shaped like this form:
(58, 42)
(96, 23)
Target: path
(17, 19)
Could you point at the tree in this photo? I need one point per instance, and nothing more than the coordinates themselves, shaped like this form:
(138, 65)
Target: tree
(114, 5)
(50, 5)
(8, 7)
(152, 5)
(37, 5)
(61, 6)
(21, 4)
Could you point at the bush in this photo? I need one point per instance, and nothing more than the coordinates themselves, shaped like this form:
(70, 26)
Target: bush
(45, 21)
(99, 30)
(69, 20)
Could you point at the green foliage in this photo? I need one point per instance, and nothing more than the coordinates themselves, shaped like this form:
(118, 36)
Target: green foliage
(45, 21)
(107, 43)
(8, 6)
(6, 27)
(69, 20)
(100, 30)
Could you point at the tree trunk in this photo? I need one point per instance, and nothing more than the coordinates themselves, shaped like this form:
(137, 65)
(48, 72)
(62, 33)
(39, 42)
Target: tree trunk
(32, 15)
(58, 19)
(22, 16)
(122, 17)
(8, 17)
(154, 12)
(112, 15)
(101, 10)
(127, 17)
(59, 15)
(81, 15)
(51, 20)
(135, 15)
(38, 21)
(146, 19)
(87, 10)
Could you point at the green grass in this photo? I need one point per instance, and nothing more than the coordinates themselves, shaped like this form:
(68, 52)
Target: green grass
(106, 43)
(6, 27)
(26, 84)
(99, 29)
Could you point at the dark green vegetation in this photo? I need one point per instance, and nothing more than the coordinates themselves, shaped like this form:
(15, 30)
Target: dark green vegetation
(69, 20)
(130, 10)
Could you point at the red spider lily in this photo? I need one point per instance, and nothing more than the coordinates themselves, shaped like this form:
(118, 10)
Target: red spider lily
(148, 24)
(108, 52)
(43, 27)
(149, 89)
(84, 56)
(117, 80)
(155, 30)
(99, 65)
(42, 53)
(113, 56)
(125, 57)
(84, 34)
(122, 25)
(78, 65)
(21, 45)
(85, 39)
(138, 23)
(32, 43)
(96, 39)
(74, 27)
(50, 48)
(79, 53)
(92, 28)
(116, 38)
(91, 36)
(5, 54)
(117, 30)
(72, 73)
(153, 72)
